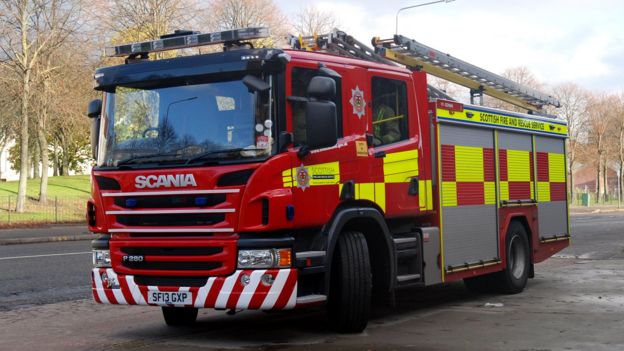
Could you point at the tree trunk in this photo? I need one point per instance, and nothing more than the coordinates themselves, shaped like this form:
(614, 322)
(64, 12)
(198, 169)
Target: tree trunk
(24, 156)
(621, 180)
(598, 179)
(605, 175)
(571, 182)
(43, 146)
(55, 162)
(36, 159)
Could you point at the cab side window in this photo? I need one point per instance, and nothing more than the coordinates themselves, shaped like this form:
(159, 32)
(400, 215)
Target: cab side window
(300, 79)
(389, 110)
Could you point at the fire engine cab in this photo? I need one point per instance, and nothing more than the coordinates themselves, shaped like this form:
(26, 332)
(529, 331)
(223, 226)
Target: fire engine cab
(329, 173)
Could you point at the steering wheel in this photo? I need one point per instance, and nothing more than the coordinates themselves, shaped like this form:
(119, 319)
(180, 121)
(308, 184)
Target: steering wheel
(149, 130)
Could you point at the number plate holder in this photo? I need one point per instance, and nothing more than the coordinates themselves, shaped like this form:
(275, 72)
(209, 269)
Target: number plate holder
(168, 298)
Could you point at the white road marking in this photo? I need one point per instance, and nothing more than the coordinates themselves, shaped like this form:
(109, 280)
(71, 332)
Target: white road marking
(47, 255)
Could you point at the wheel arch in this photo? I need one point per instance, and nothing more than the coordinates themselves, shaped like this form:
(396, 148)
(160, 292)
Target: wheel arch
(370, 222)
(524, 221)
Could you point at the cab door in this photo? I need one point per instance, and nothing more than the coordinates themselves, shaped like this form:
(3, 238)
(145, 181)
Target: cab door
(392, 125)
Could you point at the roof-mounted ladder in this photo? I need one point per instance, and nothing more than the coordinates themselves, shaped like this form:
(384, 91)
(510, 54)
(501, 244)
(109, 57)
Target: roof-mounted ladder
(415, 55)
(341, 44)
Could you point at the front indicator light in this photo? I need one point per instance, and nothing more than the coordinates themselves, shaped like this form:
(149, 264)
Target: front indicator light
(101, 259)
(265, 258)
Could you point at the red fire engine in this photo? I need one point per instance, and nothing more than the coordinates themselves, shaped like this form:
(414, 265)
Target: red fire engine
(329, 173)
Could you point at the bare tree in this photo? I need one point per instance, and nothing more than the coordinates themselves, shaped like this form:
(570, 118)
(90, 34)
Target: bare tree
(521, 75)
(231, 14)
(573, 110)
(598, 128)
(138, 20)
(311, 20)
(36, 28)
(619, 116)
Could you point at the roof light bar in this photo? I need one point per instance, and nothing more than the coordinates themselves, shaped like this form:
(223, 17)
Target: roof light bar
(187, 41)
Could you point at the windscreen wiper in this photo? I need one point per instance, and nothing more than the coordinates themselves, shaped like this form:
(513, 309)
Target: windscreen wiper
(216, 152)
(133, 159)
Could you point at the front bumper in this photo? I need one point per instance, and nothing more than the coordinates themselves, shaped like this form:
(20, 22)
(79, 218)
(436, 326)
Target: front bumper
(228, 292)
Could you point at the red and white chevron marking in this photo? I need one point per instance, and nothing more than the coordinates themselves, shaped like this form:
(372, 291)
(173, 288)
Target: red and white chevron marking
(219, 292)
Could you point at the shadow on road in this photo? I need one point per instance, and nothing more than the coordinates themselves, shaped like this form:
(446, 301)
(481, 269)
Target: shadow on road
(298, 327)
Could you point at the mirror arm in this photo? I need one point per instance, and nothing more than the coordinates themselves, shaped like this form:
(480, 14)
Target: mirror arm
(304, 151)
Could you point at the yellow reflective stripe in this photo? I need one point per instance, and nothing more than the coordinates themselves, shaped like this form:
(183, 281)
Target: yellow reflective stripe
(429, 195)
(422, 197)
(400, 177)
(425, 194)
(401, 156)
(468, 163)
(556, 167)
(489, 193)
(380, 195)
(532, 190)
(449, 194)
(543, 191)
(504, 191)
(399, 167)
(518, 166)
(374, 192)
(365, 191)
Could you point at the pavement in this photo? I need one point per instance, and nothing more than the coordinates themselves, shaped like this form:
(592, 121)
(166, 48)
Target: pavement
(44, 234)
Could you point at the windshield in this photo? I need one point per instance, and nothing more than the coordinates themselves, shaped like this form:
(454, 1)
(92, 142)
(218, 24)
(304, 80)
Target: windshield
(185, 124)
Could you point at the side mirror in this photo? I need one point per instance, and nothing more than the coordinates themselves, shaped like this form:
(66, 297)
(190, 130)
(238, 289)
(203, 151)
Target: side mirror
(321, 114)
(95, 108)
(254, 83)
(321, 124)
(322, 88)
(95, 136)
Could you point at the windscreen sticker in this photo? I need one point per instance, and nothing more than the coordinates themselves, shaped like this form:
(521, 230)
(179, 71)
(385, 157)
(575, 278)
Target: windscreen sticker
(262, 141)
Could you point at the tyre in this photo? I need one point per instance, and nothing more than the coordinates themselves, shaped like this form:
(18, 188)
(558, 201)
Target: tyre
(349, 301)
(514, 278)
(177, 316)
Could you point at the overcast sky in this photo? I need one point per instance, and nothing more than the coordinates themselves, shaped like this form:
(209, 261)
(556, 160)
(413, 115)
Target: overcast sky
(558, 40)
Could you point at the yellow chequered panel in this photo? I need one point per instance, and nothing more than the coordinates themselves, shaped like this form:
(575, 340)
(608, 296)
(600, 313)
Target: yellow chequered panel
(556, 167)
(449, 194)
(400, 167)
(543, 191)
(468, 163)
(518, 166)
(504, 191)
(532, 190)
(489, 189)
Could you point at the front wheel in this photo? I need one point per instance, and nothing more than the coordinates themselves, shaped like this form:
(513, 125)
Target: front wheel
(177, 316)
(349, 299)
(514, 278)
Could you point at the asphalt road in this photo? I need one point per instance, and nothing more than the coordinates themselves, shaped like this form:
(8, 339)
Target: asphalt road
(575, 302)
(35, 274)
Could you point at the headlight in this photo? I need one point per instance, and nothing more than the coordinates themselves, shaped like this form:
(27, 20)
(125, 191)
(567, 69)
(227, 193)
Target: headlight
(101, 258)
(266, 258)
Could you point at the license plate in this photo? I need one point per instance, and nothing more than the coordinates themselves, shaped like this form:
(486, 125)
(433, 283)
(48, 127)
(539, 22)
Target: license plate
(170, 297)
